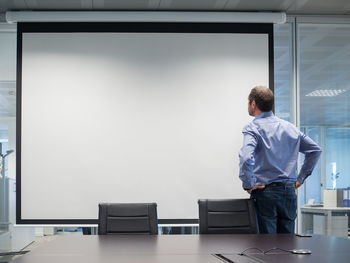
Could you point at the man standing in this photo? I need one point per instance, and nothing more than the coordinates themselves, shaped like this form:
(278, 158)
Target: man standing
(268, 160)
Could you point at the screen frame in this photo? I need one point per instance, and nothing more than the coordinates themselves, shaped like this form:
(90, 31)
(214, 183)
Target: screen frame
(119, 27)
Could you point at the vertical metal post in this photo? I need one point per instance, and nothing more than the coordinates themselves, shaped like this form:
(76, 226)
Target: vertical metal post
(322, 162)
(3, 189)
(296, 101)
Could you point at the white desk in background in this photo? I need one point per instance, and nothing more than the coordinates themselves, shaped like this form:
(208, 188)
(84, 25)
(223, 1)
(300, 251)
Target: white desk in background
(331, 221)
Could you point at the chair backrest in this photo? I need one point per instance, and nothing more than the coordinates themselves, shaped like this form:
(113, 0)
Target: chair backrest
(127, 218)
(227, 216)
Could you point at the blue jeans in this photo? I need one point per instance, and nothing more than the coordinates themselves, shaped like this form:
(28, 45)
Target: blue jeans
(276, 209)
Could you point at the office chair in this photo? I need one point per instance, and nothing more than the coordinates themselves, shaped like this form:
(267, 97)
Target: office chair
(227, 216)
(127, 218)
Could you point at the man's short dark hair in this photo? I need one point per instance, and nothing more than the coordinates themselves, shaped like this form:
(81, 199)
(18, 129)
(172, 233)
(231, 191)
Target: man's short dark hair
(263, 98)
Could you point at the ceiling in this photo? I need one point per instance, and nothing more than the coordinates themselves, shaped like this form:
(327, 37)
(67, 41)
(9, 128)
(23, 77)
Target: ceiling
(331, 7)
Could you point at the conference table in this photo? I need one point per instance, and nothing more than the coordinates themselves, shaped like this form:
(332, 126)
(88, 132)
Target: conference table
(187, 249)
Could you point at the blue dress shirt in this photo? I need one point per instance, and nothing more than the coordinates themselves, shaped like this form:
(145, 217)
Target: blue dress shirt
(270, 152)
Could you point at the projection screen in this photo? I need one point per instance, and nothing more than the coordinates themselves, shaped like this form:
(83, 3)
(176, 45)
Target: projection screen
(133, 112)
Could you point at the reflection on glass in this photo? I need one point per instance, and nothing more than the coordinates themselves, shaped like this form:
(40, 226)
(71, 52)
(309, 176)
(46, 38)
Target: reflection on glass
(283, 71)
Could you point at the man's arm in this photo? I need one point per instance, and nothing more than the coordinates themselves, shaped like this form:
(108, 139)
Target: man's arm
(247, 160)
(312, 153)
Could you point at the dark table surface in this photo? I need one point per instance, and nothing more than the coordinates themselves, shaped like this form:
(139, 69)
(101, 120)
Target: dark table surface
(185, 248)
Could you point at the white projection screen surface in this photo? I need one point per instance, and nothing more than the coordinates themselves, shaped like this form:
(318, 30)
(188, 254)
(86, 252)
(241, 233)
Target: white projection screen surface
(132, 117)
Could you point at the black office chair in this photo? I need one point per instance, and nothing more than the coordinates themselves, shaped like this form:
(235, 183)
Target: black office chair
(227, 216)
(127, 218)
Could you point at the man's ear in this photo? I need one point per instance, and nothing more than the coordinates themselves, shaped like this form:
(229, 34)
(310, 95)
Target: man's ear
(253, 104)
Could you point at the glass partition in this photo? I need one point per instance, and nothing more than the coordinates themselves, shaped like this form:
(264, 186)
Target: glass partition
(324, 71)
(324, 77)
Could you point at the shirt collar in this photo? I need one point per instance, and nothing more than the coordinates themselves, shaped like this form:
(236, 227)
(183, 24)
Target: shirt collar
(264, 114)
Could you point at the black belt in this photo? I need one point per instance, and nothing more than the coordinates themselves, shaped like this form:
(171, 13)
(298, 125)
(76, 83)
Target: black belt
(280, 184)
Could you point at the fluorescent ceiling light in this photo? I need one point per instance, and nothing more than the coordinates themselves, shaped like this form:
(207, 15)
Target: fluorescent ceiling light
(325, 93)
(146, 16)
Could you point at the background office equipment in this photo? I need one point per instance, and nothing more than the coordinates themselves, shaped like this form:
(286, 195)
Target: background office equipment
(133, 113)
(12, 237)
(128, 218)
(333, 198)
(332, 221)
(227, 216)
(346, 197)
(4, 198)
(331, 217)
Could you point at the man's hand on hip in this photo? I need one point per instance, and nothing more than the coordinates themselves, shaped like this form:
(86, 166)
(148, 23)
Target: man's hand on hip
(255, 187)
(297, 184)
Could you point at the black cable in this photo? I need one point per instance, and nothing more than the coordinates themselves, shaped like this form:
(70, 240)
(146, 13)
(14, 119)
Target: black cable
(277, 248)
(262, 251)
(256, 248)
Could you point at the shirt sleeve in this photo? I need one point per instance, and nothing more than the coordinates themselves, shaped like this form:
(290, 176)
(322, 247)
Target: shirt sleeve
(312, 153)
(247, 159)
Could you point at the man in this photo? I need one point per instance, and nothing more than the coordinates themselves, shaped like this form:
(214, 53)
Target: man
(268, 160)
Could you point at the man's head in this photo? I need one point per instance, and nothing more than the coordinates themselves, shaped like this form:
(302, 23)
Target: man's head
(260, 99)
